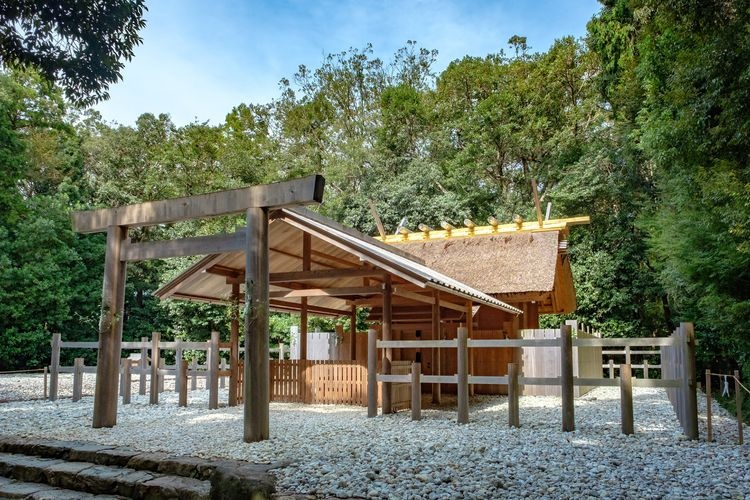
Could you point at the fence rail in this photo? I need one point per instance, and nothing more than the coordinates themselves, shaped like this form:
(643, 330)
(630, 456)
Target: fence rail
(678, 370)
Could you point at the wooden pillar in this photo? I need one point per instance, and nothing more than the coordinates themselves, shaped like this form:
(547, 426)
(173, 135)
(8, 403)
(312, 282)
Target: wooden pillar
(213, 371)
(738, 404)
(257, 375)
(306, 249)
(183, 375)
(387, 335)
(645, 369)
(222, 367)
(110, 330)
(533, 315)
(178, 362)
(416, 391)
(463, 377)
(372, 373)
(54, 367)
(626, 399)
(127, 380)
(194, 374)
(566, 378)
(353, 334)
(162, 376)
(689, 381)
(611, 368)
(234, 343)
(709, 425)
(469, 332)
(436, 389)
(78, 379)
(45, 382)
(513, 407)
(154, 390)
(143, 365)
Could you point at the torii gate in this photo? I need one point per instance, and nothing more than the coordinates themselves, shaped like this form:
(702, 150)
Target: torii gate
(255, 201)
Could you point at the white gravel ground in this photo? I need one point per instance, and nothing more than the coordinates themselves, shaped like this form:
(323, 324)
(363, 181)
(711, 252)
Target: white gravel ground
(337, 451)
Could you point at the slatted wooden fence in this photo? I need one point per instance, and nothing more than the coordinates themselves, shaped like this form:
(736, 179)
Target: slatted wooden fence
(678, 362)
(318, 382)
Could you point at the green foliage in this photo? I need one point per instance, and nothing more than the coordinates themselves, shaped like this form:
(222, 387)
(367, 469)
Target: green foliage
(643, 127)
(79, 44)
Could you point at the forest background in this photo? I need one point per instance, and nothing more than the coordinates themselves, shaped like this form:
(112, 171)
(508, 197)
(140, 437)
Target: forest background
(644, 125)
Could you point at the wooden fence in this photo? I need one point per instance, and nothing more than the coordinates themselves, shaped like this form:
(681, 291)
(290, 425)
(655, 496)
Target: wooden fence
(319, 382)
(544, 362)
(678, 363)
(678, 372)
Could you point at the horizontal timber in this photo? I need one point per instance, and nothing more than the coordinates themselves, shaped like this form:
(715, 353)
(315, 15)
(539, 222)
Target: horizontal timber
(328, 292)
(199, 245)
(281, 194)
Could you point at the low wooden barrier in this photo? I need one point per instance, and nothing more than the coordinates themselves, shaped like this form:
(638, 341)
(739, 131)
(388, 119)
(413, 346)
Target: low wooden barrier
(318, 382)
(678, 356)
(150, 374)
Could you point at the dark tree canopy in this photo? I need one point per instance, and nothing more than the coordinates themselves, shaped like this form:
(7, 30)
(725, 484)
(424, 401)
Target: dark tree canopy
(78, 43)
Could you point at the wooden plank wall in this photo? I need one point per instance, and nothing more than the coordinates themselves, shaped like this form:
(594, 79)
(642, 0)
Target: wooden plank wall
(541, 362)
(318, 382)
(490, 361)
(587, 362)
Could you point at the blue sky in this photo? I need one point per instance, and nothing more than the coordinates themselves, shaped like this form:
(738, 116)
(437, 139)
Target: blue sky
(199, 59)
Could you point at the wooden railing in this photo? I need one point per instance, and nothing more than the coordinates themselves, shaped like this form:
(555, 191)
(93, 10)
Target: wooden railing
(678, 371)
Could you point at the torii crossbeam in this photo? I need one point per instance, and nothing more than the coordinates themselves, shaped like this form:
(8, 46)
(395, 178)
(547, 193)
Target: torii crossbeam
(255, 201)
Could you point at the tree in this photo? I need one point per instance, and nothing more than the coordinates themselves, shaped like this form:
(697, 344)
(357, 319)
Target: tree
(77, 43)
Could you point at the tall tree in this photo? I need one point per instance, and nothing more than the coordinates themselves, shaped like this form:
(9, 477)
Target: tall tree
(77, 43)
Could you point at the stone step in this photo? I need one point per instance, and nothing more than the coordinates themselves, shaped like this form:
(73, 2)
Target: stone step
(10, 488)
(100, 469)
(101, 479)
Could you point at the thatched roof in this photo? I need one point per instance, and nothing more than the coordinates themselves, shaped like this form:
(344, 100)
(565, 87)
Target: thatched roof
(494, 264)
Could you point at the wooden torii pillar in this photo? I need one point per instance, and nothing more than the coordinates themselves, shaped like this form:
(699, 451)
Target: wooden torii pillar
(255, 202)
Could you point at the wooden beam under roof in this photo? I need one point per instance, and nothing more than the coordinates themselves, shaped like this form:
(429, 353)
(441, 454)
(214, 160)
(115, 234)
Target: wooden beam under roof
(281, 194)
(466, 232)
(426, 299)
(291, 276)
(328, 292)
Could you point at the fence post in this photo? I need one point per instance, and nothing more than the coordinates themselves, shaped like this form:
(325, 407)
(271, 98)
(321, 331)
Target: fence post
(709, 426)
(183, 376)
(372, 367)
(77, 379)
(645, 369)
(126, 380)
(222, 367)
(463, 376)
(626, 399)
(738, 403)
(416, 391)
(627, 355)
(178, 362)
(45, 382)
(689, 380)
(154, 390)
(385, 387)
(566, 378)
(611, 368)
(121, 370)
(513, 413)
(143, 366)
(194, 374)
(213, 372)
(281, 352)
(54, 368)
(162, 376)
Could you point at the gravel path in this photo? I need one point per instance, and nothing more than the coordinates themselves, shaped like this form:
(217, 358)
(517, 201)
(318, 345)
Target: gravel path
(336, 451)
